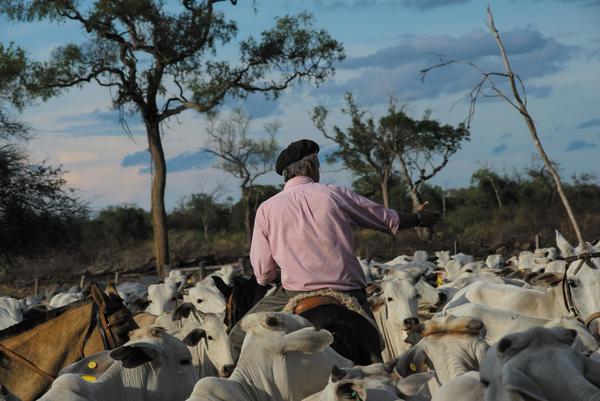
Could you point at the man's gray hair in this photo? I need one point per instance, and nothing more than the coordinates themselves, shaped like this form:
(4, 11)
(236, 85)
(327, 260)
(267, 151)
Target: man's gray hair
(303, 167)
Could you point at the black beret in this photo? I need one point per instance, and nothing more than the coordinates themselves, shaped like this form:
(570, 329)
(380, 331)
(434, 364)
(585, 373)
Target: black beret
(294, 152)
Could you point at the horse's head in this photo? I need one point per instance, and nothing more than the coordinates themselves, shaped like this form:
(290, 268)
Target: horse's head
(115, 321)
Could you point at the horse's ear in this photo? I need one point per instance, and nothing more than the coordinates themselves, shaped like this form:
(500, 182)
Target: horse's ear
(98, 295)
(111, 291)
(224, 288)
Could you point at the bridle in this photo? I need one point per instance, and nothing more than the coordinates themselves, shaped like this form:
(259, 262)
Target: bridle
(584, 258)
(98, 319)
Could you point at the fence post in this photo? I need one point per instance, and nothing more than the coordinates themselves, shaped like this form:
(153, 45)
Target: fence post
(456, 247)
(36, 287)
(82, 281)
(116, 278)
(537, 241)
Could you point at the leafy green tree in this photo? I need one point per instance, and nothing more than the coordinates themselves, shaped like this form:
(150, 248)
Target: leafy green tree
(244, 157)
(159, 60)
(37, 210)
(124, 225)
(369, 186)
(204, 208)
(422, 148)
(425, 148)
(365, 148)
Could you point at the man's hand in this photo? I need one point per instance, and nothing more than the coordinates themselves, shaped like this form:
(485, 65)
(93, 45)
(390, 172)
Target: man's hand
(427, 218)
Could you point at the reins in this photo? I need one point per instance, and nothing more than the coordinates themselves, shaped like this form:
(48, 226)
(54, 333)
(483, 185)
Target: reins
(584, 258)
(98, 315)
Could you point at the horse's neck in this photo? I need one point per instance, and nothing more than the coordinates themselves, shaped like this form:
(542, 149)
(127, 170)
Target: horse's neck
(56, 341)
(50, 346)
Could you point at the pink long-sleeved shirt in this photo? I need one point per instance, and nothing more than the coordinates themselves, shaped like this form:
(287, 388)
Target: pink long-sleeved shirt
(307, 230)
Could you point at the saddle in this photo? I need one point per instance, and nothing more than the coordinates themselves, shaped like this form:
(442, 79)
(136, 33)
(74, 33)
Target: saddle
(306, 301)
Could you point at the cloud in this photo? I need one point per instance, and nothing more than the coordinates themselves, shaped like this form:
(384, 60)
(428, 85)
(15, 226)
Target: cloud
(594, 122)
(396, 69)
(584, 3)
(423, 5)
(578, 144)
(101, 123)
(498, 150)
(198, 160)
(420, 5)
(136, 159)
(255, 105)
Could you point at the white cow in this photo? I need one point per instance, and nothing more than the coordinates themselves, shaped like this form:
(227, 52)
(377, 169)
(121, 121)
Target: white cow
(499, 323)
(11, 312)
(544, 305)
(450, 346)
(133, 294)
(465, 387)
(65, 298)
(283, 358)
(539, 364)
(209, 344)
(395, 307)
(206, 297)
(374, 383)
(162, 298)
(153, 366)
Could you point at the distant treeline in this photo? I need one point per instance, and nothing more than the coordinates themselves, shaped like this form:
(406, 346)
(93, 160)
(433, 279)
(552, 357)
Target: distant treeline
(494, 211)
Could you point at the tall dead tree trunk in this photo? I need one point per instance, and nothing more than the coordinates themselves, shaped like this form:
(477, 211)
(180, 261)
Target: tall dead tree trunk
(520, 104)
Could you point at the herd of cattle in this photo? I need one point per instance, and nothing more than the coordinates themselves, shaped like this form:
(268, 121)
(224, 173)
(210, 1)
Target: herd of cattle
(454, 328)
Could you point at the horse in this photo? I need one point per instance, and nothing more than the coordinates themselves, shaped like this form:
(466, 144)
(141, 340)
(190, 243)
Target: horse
(241, 296)
(34, 351)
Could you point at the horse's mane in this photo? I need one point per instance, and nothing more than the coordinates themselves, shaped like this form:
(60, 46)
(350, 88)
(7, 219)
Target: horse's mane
(29, 324)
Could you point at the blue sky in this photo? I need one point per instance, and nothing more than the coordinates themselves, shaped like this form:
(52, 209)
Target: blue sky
(554, 45)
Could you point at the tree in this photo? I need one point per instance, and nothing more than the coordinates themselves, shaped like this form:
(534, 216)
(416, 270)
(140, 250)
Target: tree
(158, 61)
(364, 148)
(517, 98)
(484, 176)
(37, 210)
(369, 186)
(422, 147)
(425, 149)
(205, 207)
(244, 157)
(124, 224)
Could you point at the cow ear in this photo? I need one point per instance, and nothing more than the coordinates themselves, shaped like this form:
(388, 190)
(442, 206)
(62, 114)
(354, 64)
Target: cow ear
(351, 390)
(134, 355)
(193, 337)
(546, 279)
(413, 384)
(517, 381)
(412, 361)
(376, 302)
(563, 245)
(182, 311)
(221, 286)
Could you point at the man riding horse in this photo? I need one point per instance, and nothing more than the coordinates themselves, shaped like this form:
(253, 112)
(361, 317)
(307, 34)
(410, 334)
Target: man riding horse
(306, 232)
